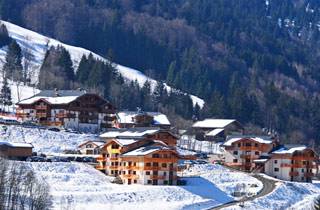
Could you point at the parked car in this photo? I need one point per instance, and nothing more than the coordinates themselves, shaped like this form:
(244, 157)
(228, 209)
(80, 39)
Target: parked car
(201, 162)
(29, 124)
(11, 122)
(54, 129)
(59, 159)
(202, 155)
(36, 159)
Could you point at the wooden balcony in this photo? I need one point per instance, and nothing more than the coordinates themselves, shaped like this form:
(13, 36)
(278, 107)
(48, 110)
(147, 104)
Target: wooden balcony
(113, 159)
(156, 177)
(309, 174)
(303, 158)
(134, 168)
(49, 123)
(115, 151)
(99, 167)
(248, 148)
(41, 107)
(21, 115)
(129, 176)
(100, 159)
(293, 173)
(161, 160)
(61, 115)
(69, 115)
(40, 114)
(113, 167)
(151, 168)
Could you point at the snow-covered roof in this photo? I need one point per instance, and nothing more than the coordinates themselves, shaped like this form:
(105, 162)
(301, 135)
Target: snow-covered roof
(16, 144)
(215, 132)
(287, 149)
(260, 160)
(213, 123)
(142, 151)
(98, 143)
(125, 142)
(127, 117)
(50, 100)
(133, 132)
(262, 140)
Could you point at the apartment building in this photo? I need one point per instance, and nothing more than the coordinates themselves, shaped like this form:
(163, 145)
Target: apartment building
(73, 109)
(292, 163)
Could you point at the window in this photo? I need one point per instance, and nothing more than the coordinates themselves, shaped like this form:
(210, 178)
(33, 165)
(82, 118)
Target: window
(155, 164)
(155, 155)
(134, 172)
(149, 181)
(135, 181)
(147, 172)
(148, 164)
(155, 172)
(164, 173)
(302, 170)
(235, 152)
(276, 169)
(239, 144)
(256, 145)
(164, 165)
(165, 182)
(235, 160)
(111, 171)
(256, 153)
(275, 161)
(248, 161)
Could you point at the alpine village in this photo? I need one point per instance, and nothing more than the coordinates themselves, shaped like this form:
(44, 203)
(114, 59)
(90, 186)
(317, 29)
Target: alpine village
(159, 105)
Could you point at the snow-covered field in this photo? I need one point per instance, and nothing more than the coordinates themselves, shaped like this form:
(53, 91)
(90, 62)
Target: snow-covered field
(37, 45)
(44, 141)
(287, 195)
(79, 186)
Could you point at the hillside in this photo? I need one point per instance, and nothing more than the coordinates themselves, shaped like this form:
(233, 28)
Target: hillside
(37, 45)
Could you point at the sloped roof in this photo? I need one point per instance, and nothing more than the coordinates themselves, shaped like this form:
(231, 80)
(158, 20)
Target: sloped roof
(288, 149)
(98, 143)
(142, 151)
(129, 133)
(213, 123)
(60, 93)
(215, 132)
(259, 139)
(16, 144)
(127, 117)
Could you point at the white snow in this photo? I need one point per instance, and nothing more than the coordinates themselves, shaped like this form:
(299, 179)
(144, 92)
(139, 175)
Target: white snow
(44, 141)
(81, 187)
(215, 132)
(13, 144)
(289, 151)
(287, 195)
(125, 142)
(37, 45)
(213, 123)
(50, 100)
(128, 133)
(127, 117)
(261, 140)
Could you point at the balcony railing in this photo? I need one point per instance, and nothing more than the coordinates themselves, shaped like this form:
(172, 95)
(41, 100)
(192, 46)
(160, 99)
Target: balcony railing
(152, 168)
(293, 173)
(308, 174)
(134, 168)
(156, 177)
(41, 107)
(129, 176)
(113, 158)
(161, 160)
(61, 115)
(101, 159)
(99, 167)
(41, 115)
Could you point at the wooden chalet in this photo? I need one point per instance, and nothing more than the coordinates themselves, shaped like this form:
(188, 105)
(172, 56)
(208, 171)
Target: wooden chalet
(292, 163)
(243, 151)
(74, 109)
(130, 119)
(15, 151)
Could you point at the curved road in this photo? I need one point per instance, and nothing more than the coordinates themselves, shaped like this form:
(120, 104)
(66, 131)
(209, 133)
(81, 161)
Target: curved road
(268, 186)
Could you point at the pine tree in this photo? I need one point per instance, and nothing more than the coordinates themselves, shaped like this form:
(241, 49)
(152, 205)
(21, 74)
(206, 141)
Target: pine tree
(5, 94)
(4, 36)
(171, 72)
(82, 74)
(12, 67)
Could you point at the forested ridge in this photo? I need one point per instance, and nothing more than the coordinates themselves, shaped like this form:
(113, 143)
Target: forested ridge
(253, 60)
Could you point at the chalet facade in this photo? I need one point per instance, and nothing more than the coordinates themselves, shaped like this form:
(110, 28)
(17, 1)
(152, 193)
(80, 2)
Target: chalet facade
(140, 156)
(216, 129)
(243, 152)
(129, 119)
(292, 163)
(91, 147)
(72, 109)
(15, 151)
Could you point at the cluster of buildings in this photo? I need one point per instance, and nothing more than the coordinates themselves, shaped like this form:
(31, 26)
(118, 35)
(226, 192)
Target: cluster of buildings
(139, 147)
(253, 153)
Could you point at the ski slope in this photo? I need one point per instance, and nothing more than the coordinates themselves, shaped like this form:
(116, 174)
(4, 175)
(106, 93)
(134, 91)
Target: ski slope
(36, 44)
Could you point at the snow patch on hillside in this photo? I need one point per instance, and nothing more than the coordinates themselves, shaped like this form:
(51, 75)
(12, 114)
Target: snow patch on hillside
(45, 141)
(37, 45)
(79, 186)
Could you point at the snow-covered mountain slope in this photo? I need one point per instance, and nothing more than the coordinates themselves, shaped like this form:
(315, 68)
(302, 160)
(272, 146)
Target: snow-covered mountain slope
(37, 45)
